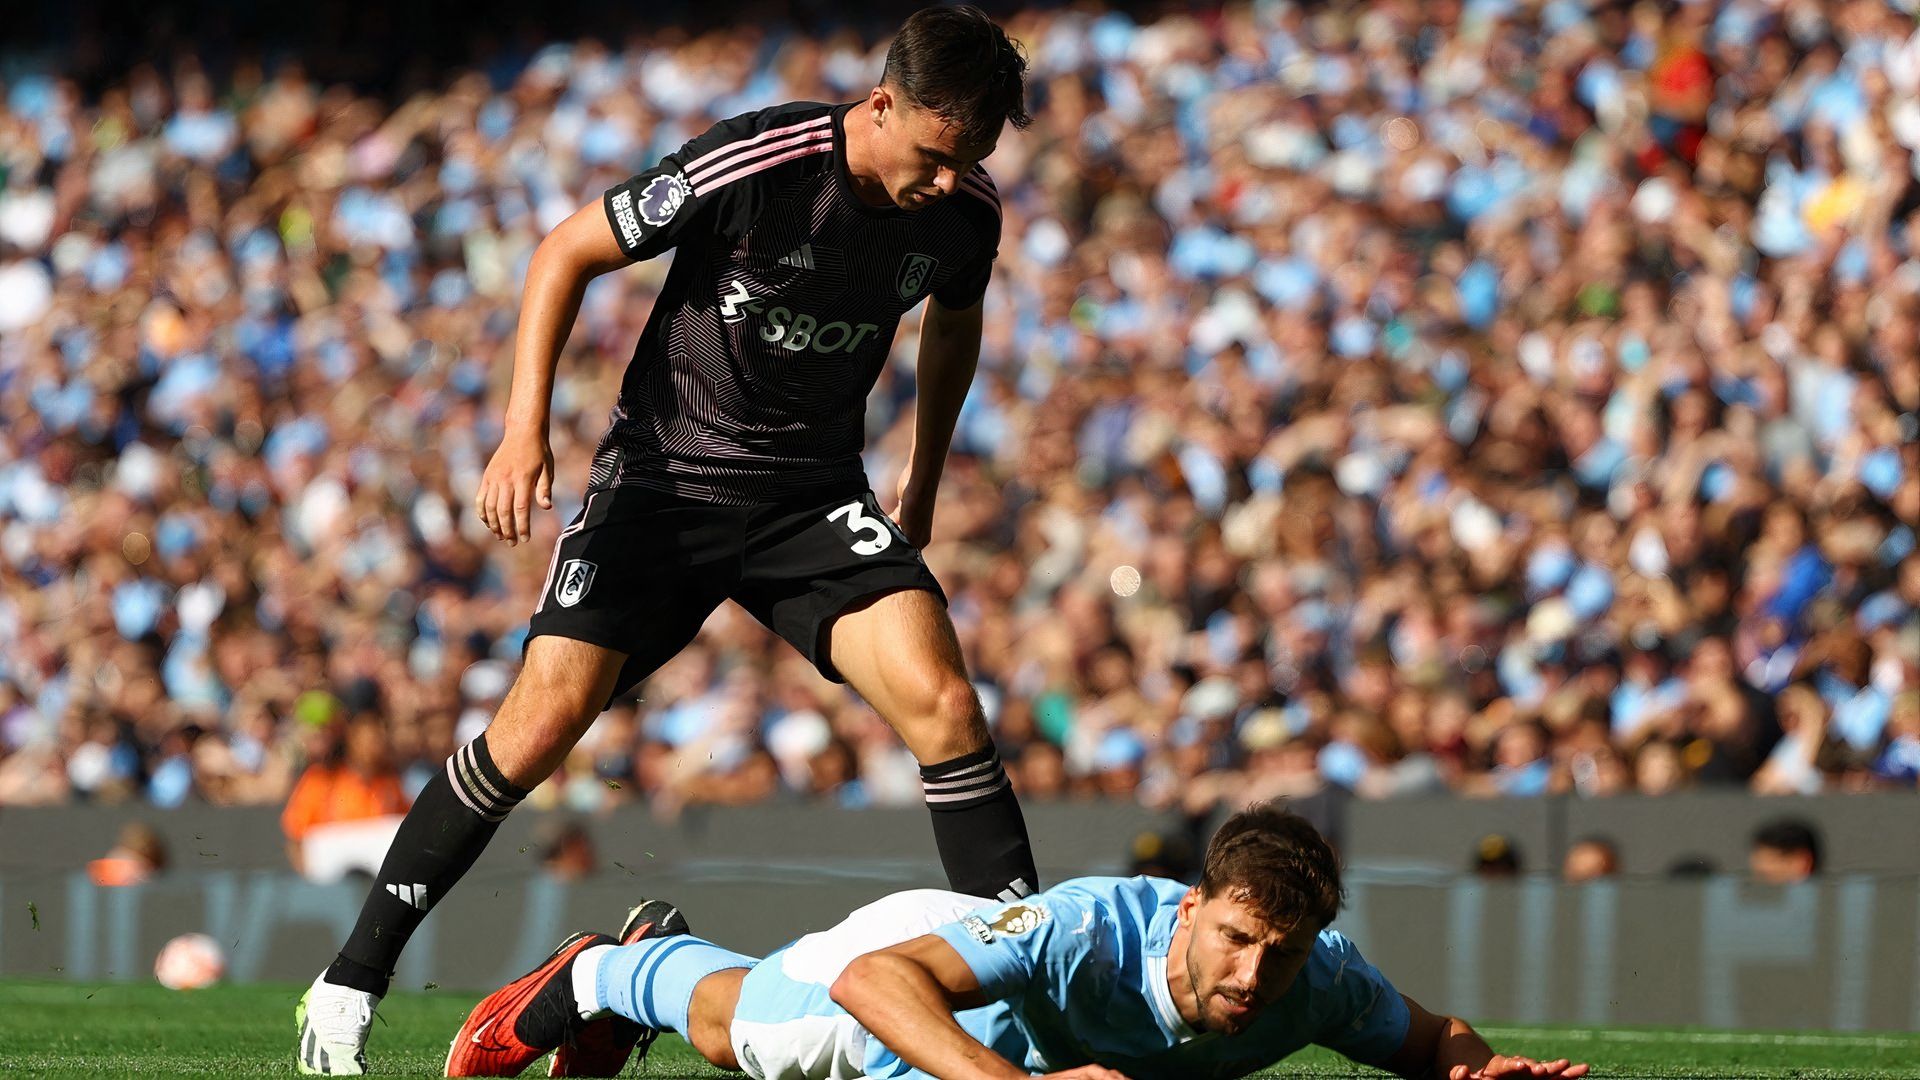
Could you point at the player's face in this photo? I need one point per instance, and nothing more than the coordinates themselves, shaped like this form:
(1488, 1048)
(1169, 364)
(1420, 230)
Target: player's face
(1237, 963)
(920, 157)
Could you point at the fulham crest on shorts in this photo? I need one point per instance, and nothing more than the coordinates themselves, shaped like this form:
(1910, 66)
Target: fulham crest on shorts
(576, 577)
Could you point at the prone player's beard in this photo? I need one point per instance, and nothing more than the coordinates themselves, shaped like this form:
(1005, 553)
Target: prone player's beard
(1201, 1000)
(1193, 984)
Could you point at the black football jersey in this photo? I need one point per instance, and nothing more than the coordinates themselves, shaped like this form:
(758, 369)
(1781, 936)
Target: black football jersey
(750, 381)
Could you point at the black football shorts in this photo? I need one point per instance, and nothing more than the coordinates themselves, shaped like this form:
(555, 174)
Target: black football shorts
(639, 571)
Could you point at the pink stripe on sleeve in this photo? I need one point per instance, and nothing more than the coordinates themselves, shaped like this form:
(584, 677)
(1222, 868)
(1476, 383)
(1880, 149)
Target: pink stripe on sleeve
(764, 136)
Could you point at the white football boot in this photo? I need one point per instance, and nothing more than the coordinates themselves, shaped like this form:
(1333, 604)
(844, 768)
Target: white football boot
(333, 1022)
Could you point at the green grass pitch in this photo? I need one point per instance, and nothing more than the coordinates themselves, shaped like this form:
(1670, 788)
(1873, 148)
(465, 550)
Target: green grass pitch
(55, 1029)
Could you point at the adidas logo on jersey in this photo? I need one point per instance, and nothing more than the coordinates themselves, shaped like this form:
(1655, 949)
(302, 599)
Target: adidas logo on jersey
(800, 258)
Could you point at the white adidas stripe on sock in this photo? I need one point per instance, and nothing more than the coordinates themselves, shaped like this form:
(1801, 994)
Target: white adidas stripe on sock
(414, 895)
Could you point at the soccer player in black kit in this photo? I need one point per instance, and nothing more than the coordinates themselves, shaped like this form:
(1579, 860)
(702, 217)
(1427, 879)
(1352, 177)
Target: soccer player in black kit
(732, 469)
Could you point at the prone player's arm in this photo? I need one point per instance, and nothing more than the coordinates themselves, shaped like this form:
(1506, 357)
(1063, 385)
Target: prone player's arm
(521, 471)
(949, 355)
(1447, 1048)
(906, 996)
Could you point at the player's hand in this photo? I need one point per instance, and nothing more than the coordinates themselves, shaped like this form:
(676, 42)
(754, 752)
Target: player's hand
(520, 474)
(1514, 1065)
(914, 513)
(1087, 1072)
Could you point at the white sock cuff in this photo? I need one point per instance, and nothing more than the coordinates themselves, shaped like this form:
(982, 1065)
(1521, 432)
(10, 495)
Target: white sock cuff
(586, 981)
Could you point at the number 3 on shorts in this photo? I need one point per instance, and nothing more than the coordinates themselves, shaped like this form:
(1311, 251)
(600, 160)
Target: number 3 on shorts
(858, 522)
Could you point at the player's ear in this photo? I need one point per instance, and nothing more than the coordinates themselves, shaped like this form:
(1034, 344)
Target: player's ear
(879, 103)
(1188, 904)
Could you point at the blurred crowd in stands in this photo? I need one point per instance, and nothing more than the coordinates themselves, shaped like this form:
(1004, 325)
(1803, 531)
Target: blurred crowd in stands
(1783, 851)
(1504, 397)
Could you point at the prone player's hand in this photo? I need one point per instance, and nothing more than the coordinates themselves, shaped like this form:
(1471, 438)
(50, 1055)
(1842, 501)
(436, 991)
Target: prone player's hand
(1087, 1072)
(519, 475)
(1516, 1066)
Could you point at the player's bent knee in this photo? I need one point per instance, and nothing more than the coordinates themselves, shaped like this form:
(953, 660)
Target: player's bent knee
(710, 1016)
(554, 703)
(559, 691)
(957, 709)
(944, 722)
(715, 1043)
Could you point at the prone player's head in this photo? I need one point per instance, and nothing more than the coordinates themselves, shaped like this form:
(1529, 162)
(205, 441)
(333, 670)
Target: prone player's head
(1268, 885)
(952, 81)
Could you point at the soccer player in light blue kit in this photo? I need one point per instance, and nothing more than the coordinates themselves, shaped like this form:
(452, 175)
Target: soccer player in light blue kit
(1094, 978)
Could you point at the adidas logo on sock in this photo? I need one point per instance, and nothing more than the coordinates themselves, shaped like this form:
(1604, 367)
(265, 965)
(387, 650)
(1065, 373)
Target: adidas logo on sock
(800, 258)
(415, 895)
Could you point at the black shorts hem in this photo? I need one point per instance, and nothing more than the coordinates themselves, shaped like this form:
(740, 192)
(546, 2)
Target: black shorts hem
(586, 635)
(839, 601)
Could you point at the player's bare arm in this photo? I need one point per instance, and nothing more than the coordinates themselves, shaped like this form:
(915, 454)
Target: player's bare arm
(949, 355)
(906, 997)
(520, 473)
(1447, 1046)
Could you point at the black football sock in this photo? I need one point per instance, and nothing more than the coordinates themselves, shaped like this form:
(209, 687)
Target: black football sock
(447, 829)
(978, 826)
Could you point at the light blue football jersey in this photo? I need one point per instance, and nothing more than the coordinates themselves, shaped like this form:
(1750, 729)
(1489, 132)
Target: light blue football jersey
(1080, 971)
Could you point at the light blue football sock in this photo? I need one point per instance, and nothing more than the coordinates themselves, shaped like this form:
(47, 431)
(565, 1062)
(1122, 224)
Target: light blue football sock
(651, 982)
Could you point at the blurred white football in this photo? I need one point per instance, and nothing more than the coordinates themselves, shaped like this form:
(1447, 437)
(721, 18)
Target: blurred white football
(190, 962)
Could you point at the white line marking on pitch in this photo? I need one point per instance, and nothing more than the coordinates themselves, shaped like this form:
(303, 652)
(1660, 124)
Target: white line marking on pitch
(1877, 1042)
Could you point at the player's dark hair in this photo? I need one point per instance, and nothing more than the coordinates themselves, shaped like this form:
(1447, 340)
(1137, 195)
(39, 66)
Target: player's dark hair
(958, 63)
(1276, 861)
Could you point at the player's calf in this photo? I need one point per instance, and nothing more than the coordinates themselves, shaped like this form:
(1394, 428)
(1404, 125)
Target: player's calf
(900, 653)
(448, 827)
(557, 695)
